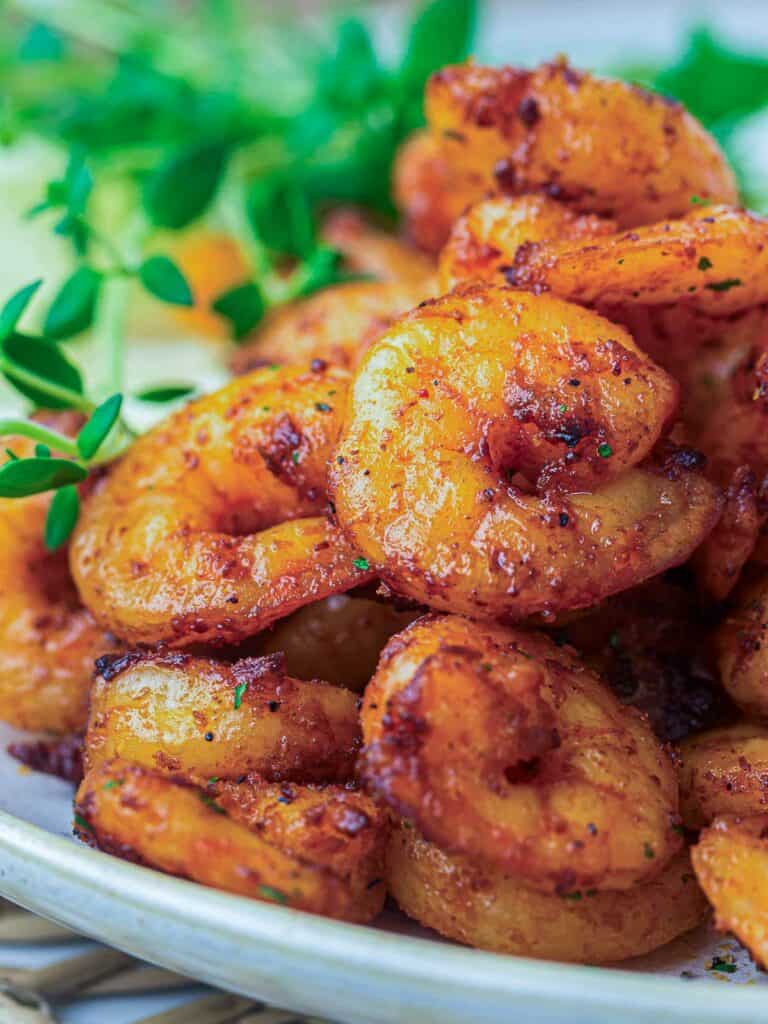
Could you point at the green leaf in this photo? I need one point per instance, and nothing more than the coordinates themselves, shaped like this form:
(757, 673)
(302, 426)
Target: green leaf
(78, 184)
(183, 186)
(33, 355)
(12, 311)
(32, 476)
(95, 431)
(166, 393)
(323, 268)
(441, 34)
(42, 451)
(41, 43)
(163, 279)
(73, 309)
(280, 214)
(352, 74)
(243, 306)
(62, 516)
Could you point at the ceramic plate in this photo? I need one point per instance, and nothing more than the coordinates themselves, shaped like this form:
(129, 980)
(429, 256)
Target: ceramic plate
(384, 974)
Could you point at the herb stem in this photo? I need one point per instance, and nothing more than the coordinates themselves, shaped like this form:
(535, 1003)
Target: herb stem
(113, 308)
(37, 432)
(48, 387)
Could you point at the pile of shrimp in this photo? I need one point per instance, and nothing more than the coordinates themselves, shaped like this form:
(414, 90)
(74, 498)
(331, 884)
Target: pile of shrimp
(458, 591)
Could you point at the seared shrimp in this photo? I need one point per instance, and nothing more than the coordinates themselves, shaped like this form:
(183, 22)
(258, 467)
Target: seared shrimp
(731, 864)
(428, 192)
(210, 528)
(48, 641)
(336, 325)
(486, 908)
(500, 745)
(194, 718)
(323, 854)
(484, 241)
(375, 253)
(724, 771)
(472, 388)
(742, 647)
(605, 146)
(715, 260)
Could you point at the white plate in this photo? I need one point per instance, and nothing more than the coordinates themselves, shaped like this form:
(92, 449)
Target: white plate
(372, 975)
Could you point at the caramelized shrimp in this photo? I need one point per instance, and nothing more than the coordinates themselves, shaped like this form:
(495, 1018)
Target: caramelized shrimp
(299, 856)
(48, 641)
(210, 528)
(429, 192)
(724, 771)
(194, 718)
(486, 908)
(731, 864)
(715, 260)
(742, 647)
(472, 388)
(369, 250)
(500, 745)
(484, 241)
(336, 325)
(604, 146)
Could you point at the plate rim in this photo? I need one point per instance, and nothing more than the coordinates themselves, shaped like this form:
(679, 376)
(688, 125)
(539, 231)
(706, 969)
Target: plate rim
(295, 933)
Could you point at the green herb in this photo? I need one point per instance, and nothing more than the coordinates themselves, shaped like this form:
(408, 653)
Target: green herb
(82, 822)
(211, 804)
(574, 896)
(722, 966)
(184, 185)
(42, 451)
(112, 783)
(604, 450)
(295, 458)
(22, 477)
(73, 309)
(163, 279)
(648, 852)
(165, 393)
(704, 263)
(97, 429)
(61, 517)
(724, 286)
(267, 892)
(239, 692)
(244, 307)
(698, 201)
(361, 563)
(14, 308)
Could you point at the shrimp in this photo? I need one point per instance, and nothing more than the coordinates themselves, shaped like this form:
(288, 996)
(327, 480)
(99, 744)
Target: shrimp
(542, 773)
(428, 192)
(319, 851)
(483, 242)
(48, 640)
(604, 146)
(731, 865)
(724, 771)
(741, 641)
(209, 529)
(714, 260)
(469, 389)
(194, 718)
(336, 325)
(486, 908)
(369, 250)
(341, 638)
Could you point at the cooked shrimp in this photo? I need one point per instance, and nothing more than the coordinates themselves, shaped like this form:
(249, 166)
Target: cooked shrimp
(500, 745)
(125, 810)
(369, 250)
(486, 908)
(731, 864)
(470, 388)
(48, 641)
(724, 771)
(428, 192)
(201, 531)
(742, 647)
(339, 638)
(715, 260)
(336, 325)
(194, 718)
(605, 146)
(484, 241)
